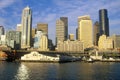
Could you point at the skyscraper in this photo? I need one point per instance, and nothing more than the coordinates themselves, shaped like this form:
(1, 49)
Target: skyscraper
(26, 28)
(62, 29)
(96, 32)
(85, 31)
(104, 22)
(43, 27)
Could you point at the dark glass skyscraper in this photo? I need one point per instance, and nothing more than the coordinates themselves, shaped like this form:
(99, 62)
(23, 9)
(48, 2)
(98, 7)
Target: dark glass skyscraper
(104, 22)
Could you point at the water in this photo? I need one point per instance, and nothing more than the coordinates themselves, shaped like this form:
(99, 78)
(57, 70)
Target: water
(56, 71)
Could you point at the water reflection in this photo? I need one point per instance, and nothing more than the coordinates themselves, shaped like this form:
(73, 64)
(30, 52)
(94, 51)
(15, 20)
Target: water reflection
(56, 71)
(22, 73)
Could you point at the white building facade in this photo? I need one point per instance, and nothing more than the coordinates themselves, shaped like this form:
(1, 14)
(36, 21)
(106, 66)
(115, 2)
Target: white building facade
(26, 28)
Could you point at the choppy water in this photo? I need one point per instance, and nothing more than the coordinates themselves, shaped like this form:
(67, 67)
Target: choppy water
(56, 71)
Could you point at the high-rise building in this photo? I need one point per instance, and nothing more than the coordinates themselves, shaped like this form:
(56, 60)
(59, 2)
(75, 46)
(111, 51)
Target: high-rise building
(40, 41)
(37, 39)
(14, 39)
(96, 32)
(1, 30)
(62, 29)
(26, 28)
(85, 31)
(43, 27)
(104, 22)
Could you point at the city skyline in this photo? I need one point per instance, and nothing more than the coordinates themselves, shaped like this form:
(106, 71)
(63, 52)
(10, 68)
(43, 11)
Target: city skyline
(50, 11)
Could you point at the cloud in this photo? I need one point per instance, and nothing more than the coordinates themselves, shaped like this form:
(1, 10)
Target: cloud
(6, 3)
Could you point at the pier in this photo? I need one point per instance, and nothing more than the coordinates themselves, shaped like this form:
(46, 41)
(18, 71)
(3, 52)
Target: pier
(18, 53)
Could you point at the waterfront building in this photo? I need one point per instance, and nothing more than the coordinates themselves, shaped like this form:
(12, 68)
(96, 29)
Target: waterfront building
(71, 37)
(105, 42)
(62, 29)
(116, 41)
(13, 39)
(41, 41)
(70, 46)
(26, 28)
(104, 22)
(85, 33)
(43, 27)
(96, 32)
(36, 56)
(19, 27)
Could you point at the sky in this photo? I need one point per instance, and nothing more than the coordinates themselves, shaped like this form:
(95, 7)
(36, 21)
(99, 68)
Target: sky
(48, 11)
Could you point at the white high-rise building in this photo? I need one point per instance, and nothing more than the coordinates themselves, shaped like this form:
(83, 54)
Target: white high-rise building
(85, 31)
(26, 28)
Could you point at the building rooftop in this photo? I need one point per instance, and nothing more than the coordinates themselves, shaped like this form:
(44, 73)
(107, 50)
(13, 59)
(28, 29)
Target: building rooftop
(27, 8)
(85, 17)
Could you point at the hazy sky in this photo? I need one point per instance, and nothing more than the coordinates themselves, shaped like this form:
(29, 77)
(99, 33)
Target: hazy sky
(48, 11)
